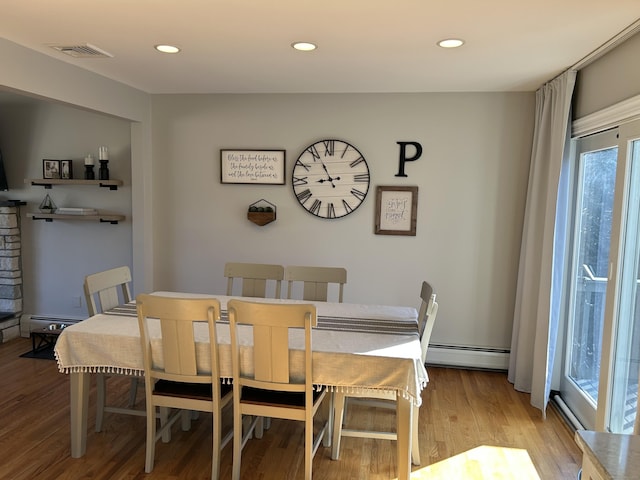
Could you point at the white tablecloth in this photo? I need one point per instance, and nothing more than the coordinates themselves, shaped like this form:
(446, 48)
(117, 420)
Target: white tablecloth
(342, 359)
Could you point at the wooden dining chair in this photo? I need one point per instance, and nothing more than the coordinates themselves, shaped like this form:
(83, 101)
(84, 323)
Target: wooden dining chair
(315, 281)
(107, 289)
(270, 389)
(104, 291)
(173, 377)
(378, 398)
(254, 277)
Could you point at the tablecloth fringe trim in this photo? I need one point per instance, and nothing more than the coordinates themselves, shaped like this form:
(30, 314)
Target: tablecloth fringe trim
(346, 389)
(102, 369)
(228, 381)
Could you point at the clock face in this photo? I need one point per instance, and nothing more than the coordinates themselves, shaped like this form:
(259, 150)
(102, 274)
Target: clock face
(330, 179)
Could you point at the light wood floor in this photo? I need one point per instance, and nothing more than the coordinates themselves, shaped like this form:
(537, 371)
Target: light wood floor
(461, 410)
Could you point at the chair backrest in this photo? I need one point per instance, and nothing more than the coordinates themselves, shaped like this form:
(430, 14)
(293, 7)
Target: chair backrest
(111, 288)
(178, 318)
(271, 357)
(426, 316)
(254, 278)
(316, 281)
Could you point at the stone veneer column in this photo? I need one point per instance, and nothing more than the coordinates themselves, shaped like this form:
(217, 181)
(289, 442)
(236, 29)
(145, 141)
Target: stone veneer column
(10, 261)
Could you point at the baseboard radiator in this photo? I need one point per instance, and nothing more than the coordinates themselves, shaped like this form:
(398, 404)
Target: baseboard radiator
(566, 412)
(28, 322)
(465, 356)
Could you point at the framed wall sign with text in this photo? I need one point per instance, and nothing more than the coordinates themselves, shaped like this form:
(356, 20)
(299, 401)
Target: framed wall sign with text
(252, 166)
(396, 210)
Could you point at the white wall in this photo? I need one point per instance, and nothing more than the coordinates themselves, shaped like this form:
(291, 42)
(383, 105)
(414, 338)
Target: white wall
(29, 73)
(57, 256)
(610, 79)
(472, 183)
(186, 225)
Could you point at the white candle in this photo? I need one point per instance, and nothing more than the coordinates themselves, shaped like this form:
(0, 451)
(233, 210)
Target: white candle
(104, 153)
(88, 160)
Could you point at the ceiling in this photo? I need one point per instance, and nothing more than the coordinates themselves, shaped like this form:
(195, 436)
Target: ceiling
(244, 46)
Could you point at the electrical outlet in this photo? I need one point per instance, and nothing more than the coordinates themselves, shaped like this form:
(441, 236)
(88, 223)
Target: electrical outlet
(76, 302)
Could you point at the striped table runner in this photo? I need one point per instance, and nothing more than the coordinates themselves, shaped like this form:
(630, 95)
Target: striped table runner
(364, 325)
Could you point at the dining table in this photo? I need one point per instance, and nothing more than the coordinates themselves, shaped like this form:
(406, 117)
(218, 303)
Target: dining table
(355, 346)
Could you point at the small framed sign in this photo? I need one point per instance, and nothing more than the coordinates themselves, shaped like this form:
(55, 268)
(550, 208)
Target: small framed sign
(396, 210)
(252, 166)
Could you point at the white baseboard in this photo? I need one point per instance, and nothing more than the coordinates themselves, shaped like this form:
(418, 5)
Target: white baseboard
(468, 357)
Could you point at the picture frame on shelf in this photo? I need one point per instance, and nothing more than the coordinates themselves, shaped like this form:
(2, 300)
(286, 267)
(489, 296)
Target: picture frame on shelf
(66, 169)
(253, 166)
(50, 168)
(396, 210)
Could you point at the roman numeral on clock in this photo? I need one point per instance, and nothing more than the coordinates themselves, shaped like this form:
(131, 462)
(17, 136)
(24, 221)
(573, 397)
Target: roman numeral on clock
(303, 165)
(304, 195)
(299, 181)
(331, 211)
(329, 147)
(344, 152)
(361, 177)
(315, 208)
(358, 194)
(314, 152)
(357, 161)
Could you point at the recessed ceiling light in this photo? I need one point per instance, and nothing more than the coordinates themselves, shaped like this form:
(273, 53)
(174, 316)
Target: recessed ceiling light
(304, 46)
(167, 48)
(451, 43)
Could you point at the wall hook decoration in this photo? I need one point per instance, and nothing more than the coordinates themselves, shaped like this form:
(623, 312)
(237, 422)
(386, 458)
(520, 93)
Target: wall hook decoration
(261, 212)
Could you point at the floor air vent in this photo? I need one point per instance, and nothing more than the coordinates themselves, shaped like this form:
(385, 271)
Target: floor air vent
(82, 51)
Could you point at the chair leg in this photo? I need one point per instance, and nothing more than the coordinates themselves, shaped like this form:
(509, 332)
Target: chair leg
(259, 430)
(344, 414)
(217, 438)
(101, 391)
(242, 432)
(133, 392)
(164, 419)
(415, 447)
(327, 412)
(151, 439)
(186, 420)
(237, 442)
(308, 445)
(247, 431)
(338, 415)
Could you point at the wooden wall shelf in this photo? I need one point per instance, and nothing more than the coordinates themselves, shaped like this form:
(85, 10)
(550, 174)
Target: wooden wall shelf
(50, 217)
(49, 182)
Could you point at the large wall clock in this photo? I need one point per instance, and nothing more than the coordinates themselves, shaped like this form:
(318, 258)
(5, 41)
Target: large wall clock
(330, 179)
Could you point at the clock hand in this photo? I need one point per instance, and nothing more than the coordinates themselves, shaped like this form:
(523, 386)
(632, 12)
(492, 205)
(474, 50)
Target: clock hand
(322, 180)
(327, 172)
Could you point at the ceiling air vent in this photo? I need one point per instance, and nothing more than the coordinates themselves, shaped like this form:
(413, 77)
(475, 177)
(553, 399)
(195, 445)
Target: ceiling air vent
(82, 51)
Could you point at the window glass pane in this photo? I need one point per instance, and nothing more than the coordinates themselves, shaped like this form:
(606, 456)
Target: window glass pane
(627, 337)
(593, 233)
